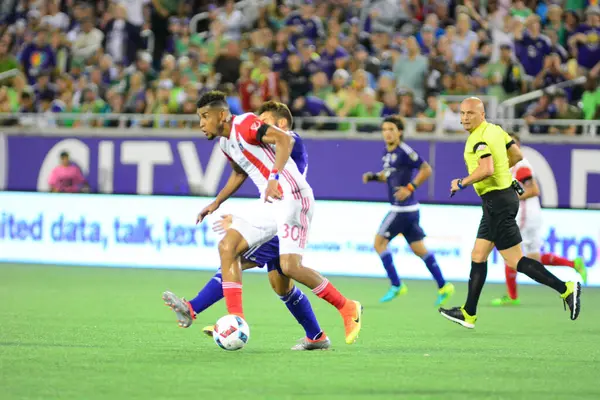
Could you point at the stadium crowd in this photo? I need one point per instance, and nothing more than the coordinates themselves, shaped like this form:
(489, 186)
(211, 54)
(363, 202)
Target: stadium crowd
(346, 58)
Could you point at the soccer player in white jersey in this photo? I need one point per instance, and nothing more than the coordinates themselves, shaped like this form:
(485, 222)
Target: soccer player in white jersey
(262, 152)
(529, 219)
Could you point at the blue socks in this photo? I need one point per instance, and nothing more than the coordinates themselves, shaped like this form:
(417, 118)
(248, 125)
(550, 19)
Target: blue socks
(209, 295)
(433, 267)
(388, 264)
(300, 307)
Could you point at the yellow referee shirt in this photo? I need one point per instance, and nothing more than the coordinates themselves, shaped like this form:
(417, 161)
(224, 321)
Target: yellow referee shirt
(485, 141)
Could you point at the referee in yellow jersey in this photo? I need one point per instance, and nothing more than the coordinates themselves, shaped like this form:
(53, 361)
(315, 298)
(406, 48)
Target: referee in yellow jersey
(489, 154)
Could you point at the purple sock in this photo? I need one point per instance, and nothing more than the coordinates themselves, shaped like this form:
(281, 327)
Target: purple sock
(209, 295)
(300, 307)
(388, 264)
(433, 267)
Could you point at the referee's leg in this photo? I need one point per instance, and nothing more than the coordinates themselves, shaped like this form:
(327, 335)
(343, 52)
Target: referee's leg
(570, 292)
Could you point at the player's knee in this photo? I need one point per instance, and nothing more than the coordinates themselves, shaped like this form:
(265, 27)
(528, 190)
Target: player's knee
(380, 244)
(226, 247)
(289, 266)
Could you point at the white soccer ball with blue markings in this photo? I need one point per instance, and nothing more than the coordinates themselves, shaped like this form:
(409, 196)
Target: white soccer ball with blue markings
(231, 332)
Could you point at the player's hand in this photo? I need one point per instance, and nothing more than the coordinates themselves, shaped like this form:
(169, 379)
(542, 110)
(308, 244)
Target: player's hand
(454, 186)
(272, 192)
(402, 193)
(209, 209)
(222, 225)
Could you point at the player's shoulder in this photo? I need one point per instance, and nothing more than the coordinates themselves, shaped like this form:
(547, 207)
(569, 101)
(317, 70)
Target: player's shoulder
(239, 119)
(406, 149)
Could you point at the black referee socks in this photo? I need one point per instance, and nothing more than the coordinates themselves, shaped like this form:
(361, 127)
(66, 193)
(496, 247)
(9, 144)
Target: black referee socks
(536, 271)
(476, 281)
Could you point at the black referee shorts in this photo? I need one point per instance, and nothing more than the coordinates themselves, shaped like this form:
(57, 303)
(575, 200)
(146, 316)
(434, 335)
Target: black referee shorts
(498, 223)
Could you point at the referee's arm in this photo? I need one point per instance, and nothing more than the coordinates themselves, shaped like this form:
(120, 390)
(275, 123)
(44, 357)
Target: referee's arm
(514, 154)
(484, 169)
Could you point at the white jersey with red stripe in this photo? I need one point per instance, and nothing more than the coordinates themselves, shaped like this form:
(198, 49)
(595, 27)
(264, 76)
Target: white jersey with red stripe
(529, 217)
(257, 159)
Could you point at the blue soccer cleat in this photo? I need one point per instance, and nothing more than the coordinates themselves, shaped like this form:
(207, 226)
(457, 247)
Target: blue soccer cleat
(394, 292)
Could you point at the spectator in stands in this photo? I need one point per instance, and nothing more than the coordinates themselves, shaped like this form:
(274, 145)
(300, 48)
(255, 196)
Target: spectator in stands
(552, 72)
(121, 38)
(410, 70)
(37, 56)
(67, 177)
(159, 21)
(233, 21)
(531, 46)
(504, 78)
(310, 59)
(304, 23)
(54, 18)
(333, 56)
(228, 63)
(563, 110)
(295, 79)
(7, 61)
(88, 41)
(585, 43)
(591, 99)
(465, 43)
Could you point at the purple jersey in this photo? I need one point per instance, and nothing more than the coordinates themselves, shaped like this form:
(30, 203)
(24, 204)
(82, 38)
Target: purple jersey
(399, 166)
(588, 53)
(268, 253)
(328, 60)
(531, 53)
(312, 28)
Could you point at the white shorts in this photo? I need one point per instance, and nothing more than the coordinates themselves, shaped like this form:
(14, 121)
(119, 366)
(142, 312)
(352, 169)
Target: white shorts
(289, 219)
(531, 232)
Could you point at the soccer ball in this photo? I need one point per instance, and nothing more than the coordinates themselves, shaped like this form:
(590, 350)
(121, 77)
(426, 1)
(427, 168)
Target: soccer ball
(231, 332)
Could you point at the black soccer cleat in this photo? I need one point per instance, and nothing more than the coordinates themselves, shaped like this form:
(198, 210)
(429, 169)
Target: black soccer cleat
(460, 316)
(572, 298)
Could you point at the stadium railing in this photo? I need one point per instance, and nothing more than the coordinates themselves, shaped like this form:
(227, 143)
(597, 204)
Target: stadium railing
(184, 125)
(507, 107)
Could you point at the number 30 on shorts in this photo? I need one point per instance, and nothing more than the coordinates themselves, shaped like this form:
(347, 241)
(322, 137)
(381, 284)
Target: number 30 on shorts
(292, 232)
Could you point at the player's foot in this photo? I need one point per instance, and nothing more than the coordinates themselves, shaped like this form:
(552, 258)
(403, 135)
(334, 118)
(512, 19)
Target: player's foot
(506, 301)
(444, 294)
(181, 307)
(352, 315)
(394, 292)
(460, 316)
(208, 330)
(581, 269)
(571, 298)
(306, 344)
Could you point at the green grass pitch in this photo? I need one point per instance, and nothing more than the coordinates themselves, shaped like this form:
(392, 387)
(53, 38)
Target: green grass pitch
(101, 333)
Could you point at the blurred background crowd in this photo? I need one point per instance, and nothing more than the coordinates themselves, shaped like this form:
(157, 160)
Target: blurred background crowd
(346, 58)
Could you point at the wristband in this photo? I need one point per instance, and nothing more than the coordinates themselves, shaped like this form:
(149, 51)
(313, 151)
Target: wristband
(411, 187)
(372, 177)
(459, 184)
(274, 176)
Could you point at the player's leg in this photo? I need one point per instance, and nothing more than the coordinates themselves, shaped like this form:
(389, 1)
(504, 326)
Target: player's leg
(299, 306)
(230, 247)
(293, 226)
(467, 315)
(414, 236)
(387, 231)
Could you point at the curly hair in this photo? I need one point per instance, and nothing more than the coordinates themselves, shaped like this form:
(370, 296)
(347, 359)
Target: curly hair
(280, 110)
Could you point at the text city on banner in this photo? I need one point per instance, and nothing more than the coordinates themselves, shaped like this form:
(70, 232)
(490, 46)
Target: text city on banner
(568, 174)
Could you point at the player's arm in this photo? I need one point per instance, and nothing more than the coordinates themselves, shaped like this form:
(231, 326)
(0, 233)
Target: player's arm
(424, 173)
(530, 186)
(374, 177)
(235, 181)
(283, 142)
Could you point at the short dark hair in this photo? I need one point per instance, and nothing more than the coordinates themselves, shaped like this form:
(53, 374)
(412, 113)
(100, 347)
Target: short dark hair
(394, 120)
(214, 97)
(64, 154)
(279, 109)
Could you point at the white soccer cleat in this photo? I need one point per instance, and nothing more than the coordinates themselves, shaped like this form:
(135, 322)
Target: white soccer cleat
(181, 307)
(305, 344)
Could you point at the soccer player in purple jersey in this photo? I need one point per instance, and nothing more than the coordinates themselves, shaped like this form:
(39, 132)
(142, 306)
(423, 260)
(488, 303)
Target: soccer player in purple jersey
(400, 162)
(259, 256)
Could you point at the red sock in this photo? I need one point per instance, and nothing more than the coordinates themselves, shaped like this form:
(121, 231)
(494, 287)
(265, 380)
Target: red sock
(553, 259)
(330, 294)
(511, 281)
(233, 298)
